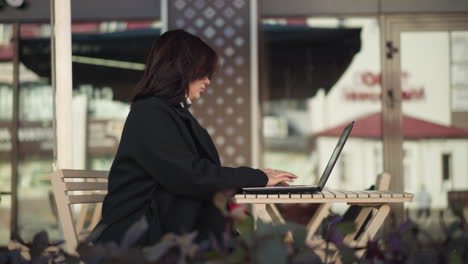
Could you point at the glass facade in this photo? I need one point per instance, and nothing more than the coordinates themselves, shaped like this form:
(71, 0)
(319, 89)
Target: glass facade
(435, 128)
(334, 79)
(6, 113)
(100, 106)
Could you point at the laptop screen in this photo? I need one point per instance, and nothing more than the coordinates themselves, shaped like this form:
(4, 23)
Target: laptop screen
(334, 157)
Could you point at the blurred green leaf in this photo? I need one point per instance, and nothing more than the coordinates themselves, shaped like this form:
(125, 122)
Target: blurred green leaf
(220, 200)
(347, 255)
(271, 251)
(306, 256)
(455, 258)
(237, 256)
(344, 228)
(245, 228)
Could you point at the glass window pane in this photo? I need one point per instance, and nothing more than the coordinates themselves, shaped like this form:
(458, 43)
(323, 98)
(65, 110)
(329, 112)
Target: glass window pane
(6, 113)
(319, 75)
(435, 126)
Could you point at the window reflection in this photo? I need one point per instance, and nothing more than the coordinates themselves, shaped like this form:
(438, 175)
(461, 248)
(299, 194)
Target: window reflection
(99, 109)
(334, 79)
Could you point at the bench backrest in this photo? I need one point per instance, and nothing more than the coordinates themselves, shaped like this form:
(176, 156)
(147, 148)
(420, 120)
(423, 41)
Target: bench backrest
(78, 187)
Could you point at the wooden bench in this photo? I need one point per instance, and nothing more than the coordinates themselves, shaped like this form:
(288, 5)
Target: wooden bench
(86, 188)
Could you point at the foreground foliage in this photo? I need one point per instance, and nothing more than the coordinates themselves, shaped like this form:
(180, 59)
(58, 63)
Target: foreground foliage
(407, 243)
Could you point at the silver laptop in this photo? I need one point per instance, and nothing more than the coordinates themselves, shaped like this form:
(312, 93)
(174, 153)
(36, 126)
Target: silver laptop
(307, 188)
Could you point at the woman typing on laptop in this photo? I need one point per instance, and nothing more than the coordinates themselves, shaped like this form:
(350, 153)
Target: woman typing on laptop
(167, 168)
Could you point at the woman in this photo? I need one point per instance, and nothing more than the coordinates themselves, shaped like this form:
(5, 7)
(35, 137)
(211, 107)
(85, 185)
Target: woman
(167, 167)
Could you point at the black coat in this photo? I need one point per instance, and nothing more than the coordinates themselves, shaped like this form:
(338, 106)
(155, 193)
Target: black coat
(167, 169)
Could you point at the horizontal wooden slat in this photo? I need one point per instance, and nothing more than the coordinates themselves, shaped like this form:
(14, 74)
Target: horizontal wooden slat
(354, 197)
(86, 198)
(86, 186)
(373, 194)
(362, 194)
(318, 195)
(409, 195)
(327, 194)
(338, 194)
(384, 194)
(364, 201)
(84, 174)
(349, 194)
(397, 194)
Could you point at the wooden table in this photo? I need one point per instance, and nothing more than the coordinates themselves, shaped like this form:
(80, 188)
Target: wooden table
(375, 203)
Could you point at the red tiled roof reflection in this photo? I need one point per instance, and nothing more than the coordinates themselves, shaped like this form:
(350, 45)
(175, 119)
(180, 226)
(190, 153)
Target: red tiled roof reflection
(413, 128)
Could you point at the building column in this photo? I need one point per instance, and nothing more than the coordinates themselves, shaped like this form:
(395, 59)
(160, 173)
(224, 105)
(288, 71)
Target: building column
(230, 108)
(62, 82)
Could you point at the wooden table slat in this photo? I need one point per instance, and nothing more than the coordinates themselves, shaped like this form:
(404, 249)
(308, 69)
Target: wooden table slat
(318, 195)
(373, 194)
(338, 194)
(327, 194)
(384, 194)
(409, 195)
(397, 194)
(362, 194)
(239, 196)
(296, 196)
(349, 194)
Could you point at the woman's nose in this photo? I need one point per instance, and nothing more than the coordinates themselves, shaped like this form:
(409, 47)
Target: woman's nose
(207, 81)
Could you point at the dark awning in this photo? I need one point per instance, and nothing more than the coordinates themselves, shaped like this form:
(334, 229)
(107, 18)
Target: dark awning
(299, 60)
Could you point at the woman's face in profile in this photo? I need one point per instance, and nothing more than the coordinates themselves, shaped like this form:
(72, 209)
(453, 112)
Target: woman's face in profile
(197, 87)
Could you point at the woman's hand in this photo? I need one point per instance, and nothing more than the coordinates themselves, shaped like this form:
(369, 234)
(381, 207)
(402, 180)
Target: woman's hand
(279, 177)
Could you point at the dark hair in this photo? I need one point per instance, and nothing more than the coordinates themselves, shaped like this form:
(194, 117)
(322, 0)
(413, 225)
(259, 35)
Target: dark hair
(176, 58)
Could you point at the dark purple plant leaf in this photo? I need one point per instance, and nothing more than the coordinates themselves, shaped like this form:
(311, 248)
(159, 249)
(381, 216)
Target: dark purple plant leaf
(395, 243)
(405, 226)
(39, 244)
(134, 233)
(4, 258)
(373, 251)
(335, 220)
(14, 257)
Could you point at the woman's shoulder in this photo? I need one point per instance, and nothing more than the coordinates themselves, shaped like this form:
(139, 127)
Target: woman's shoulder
(151, 104)
(152, 108)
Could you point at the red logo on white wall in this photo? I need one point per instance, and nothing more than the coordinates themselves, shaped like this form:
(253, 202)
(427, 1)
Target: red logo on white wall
(367, 87)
